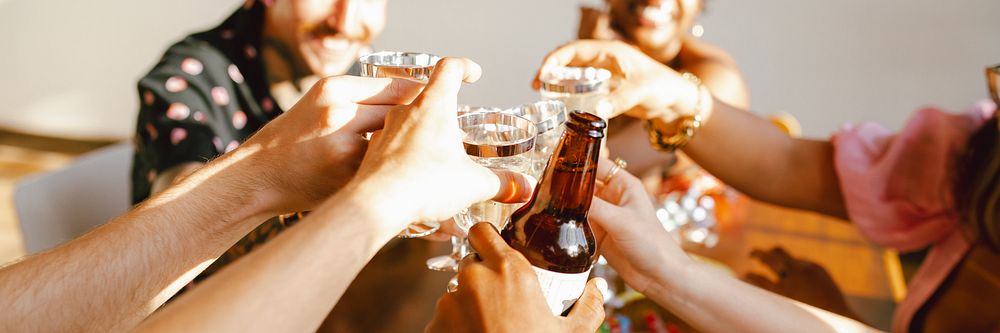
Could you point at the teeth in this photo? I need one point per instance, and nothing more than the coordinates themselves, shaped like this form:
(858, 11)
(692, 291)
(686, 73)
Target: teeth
(659, 14)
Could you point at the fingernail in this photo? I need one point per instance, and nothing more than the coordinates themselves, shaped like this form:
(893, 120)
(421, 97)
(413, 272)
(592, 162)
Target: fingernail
(602, 286)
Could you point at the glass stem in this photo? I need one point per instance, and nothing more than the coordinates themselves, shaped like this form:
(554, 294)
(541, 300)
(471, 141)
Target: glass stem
(459, 247)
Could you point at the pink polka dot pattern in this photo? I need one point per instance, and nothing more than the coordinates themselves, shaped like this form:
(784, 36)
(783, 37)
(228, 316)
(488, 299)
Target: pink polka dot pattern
(248, 4)
(176, 84)
(239, 120)
(178, 111)
(148, 98)
(220, 96)
(250, 51)
(227, 34)
(177, 135)
(267, 104)
(234, 73)
(192, 66)
(232, 145)
(153, 134)
(218, 144)
(199, 116)
(268, 3)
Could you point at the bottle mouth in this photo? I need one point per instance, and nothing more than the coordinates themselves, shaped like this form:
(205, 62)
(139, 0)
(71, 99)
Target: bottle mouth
(587, 123)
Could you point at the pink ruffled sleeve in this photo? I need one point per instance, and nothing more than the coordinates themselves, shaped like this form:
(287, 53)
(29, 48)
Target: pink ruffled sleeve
(897, 188)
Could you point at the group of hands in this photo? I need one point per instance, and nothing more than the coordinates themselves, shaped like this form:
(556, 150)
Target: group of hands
(416, 167)
(414, 159)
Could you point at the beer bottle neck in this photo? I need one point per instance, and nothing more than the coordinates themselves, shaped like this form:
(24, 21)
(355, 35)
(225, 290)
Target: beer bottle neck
(568, 184)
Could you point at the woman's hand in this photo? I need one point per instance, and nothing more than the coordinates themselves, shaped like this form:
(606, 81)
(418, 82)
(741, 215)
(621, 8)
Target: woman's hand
(631, 238)
(645, 88)
(498, 292)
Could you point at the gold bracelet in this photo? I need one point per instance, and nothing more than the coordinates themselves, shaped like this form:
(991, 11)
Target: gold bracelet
(686, 126)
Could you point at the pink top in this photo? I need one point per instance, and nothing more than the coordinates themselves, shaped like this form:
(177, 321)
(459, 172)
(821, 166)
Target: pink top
(898, 190)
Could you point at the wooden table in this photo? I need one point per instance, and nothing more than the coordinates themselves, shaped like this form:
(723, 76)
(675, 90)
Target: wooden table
(868, 274)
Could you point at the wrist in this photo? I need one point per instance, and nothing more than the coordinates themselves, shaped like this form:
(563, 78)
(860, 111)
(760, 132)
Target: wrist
(377, 201)
(677, 270)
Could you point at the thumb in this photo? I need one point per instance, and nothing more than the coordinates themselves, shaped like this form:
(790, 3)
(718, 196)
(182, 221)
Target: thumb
(621, 99)
(444, 84)
(588, 313)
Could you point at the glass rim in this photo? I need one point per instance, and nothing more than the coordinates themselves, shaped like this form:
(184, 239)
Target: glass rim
(553, 111)
(574, 80)
(401, 65)
(507, 149)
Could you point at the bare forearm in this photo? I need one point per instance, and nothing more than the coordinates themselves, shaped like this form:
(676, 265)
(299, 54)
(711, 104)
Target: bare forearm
(307, 268)
(113, 277)
(717, 303)
(753, 156)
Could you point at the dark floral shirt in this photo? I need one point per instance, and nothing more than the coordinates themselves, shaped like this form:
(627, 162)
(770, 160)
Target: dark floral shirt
(207, 95)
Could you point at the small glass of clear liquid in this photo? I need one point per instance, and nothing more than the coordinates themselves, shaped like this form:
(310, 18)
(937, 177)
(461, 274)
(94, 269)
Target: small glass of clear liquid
(579, 88)
(549, 118)
(403, 65)
(495, 140)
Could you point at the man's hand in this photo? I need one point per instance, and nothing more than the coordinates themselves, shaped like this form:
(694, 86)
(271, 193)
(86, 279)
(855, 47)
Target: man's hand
(312, 150)
(417, 162)
(498, 292)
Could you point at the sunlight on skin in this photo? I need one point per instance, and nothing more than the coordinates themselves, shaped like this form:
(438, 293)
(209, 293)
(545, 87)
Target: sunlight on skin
(164, 295)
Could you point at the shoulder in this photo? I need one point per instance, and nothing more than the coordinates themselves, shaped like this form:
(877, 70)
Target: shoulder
(717, 70)
(196, 56)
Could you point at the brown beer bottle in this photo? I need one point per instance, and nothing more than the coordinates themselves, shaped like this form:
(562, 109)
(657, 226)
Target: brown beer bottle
(552, 230)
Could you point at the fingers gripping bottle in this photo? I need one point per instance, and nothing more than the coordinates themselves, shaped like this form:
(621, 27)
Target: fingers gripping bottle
(552, 230)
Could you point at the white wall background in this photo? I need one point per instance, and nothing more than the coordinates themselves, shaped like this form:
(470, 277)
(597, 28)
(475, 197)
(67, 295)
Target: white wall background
(69, 67)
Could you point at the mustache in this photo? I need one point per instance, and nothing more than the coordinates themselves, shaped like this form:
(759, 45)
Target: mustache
(363, 34)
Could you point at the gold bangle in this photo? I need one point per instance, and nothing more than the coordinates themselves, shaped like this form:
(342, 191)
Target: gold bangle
(686, 126)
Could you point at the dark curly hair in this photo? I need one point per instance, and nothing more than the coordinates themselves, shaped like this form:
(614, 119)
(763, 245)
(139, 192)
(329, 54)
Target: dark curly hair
(977, 185)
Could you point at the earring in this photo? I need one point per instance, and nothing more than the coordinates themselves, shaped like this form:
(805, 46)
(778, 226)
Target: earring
(698, 30)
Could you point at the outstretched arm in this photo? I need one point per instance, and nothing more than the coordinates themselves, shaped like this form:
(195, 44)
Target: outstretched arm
(739, 148)
(650, 261)
(415, 170)
(113, 277)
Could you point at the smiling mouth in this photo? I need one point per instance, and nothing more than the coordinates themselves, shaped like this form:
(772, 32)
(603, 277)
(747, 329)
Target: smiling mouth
(655, 15)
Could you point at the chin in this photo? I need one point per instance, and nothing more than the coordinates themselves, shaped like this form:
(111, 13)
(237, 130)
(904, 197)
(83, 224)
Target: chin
(331, 65)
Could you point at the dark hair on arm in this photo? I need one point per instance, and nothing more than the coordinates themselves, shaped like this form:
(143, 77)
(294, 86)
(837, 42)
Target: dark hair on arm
(977, 185)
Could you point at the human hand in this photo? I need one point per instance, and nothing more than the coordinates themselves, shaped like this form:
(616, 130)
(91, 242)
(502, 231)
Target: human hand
(498, 292)
(417, 163)
(631, 238)
(646, 88)
(802, 280)
(315, 148)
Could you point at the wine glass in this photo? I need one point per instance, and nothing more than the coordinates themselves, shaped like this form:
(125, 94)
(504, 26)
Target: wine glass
(403, 65)
(495, 140)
